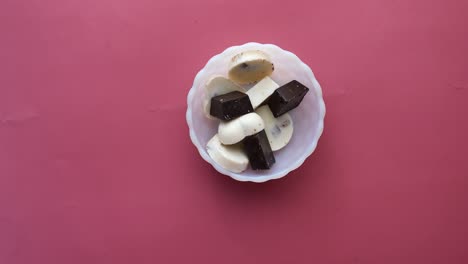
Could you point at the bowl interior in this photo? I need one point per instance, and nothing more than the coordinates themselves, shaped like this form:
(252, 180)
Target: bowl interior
(307, 118)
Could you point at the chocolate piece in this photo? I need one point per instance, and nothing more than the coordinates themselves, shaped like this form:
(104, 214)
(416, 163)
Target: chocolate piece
(231, 105)
(258, 151)
(287, 97)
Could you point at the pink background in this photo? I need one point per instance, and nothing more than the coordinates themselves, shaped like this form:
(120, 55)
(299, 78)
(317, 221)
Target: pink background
(96, 165)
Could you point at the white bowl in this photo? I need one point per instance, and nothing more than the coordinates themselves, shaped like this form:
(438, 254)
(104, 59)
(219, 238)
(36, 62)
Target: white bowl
(307, 117)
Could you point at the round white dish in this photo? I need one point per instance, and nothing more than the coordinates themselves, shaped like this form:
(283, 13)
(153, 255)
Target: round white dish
(308, 117)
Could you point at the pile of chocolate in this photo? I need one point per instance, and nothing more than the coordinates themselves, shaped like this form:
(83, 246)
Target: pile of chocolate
(254, 122)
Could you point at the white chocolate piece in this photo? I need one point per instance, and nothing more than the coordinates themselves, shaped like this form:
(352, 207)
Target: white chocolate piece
(218, 85)
(234, 131)
(278, 130)
(261, 91)
(231, 158)
(250, 67)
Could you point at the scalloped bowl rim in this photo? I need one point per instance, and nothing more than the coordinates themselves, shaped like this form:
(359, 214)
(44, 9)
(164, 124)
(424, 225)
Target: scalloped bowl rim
(264, 178)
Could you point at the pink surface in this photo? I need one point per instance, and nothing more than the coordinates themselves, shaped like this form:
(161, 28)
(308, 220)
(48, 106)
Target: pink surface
(96, 165)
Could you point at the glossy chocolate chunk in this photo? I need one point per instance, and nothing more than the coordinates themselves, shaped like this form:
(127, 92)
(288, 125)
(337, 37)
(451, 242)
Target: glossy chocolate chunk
(287, 97)
(258, 151)
(231, 105)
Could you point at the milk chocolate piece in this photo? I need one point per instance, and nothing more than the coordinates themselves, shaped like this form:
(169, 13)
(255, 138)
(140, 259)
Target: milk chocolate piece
(258, 151)
(231, 105)
(287, 97)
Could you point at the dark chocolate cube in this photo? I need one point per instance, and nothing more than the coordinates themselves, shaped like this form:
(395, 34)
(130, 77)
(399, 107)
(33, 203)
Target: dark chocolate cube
(259, 151)
(231, 105)
(286, 97)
